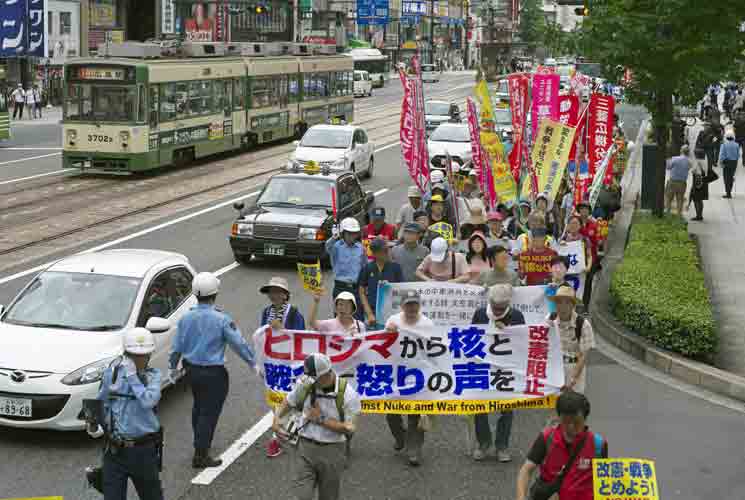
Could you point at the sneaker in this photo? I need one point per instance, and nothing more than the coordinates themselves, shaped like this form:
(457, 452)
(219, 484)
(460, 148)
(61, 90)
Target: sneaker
(399, 445)
(503, 456)
(414, 461)
(479, 454)
(273, 448)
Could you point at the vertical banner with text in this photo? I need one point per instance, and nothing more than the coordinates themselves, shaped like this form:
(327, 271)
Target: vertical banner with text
(545, 99)
(518, 88)
(599, 130)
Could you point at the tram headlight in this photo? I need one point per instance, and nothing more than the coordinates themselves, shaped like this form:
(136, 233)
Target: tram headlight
(124, 139)
(72, 136)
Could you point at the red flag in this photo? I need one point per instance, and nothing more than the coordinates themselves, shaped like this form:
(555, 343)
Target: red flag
(479, 161)
(599, 130)
(518, 88)
(569, 115)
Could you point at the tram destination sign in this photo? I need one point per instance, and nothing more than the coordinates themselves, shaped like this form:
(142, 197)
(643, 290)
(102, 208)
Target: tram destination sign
(98, 73)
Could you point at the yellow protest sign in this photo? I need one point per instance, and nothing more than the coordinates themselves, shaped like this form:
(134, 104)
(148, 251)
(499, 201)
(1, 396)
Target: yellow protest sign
(504, 183)
(310, 275)
(624, 479)
(443, 229)
(549, 156)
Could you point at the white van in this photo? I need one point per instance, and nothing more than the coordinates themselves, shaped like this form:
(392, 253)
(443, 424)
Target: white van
(362, 83)
(430, 73)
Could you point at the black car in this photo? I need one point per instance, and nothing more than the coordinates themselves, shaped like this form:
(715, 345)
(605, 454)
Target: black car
(294, 214)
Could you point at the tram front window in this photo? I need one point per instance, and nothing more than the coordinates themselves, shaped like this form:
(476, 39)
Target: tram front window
(96, 103)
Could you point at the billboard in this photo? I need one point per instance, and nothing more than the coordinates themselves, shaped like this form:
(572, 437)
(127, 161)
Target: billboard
(22, 28)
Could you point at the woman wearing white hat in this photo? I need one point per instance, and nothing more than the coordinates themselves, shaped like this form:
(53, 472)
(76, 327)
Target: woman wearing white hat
(442, 264)
(345, 306)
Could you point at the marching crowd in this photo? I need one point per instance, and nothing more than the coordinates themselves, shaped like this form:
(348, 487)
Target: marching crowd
(445, 234)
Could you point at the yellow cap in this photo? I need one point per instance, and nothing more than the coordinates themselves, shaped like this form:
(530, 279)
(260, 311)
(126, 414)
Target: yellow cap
(438, 197)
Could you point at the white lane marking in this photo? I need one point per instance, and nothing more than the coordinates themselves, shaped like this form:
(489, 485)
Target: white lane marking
(380, 191)
(18, 148)
(226, 269)
(236, 450)
(387, 146)
(29, 158)
(21, 179)
(133, 235)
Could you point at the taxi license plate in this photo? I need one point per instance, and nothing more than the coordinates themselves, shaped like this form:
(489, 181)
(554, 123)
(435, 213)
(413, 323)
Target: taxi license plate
(14, 407)
(273, 249)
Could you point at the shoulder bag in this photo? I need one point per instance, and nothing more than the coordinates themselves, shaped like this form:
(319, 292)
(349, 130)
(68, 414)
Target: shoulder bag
(543, 490)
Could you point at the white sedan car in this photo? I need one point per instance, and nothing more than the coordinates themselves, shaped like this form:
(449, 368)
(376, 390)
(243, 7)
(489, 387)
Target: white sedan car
(65, 327)
(337, 147)
(449, 138)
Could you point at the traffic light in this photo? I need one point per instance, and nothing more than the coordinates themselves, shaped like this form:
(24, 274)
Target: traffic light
(261, 9)
(582, 11)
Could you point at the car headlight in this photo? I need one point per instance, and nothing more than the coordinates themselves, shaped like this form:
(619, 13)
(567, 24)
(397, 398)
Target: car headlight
(243, 228)
(307, 233)
(88, 374)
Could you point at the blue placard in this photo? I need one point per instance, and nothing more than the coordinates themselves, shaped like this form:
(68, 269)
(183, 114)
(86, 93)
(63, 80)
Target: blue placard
(372, 12)
(22, 28)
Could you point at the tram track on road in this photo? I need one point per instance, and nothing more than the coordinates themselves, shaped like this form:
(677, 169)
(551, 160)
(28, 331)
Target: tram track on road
(44, 223)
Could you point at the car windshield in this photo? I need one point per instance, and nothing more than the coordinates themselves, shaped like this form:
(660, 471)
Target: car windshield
(502, 116)
(446, 133)
(296, 191)
(75, 301)
(436, 108)
(327, 138)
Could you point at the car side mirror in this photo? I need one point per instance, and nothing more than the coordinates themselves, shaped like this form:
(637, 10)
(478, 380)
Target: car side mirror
(369, 197)
(239, 205)
(296, 143)
(158, 325)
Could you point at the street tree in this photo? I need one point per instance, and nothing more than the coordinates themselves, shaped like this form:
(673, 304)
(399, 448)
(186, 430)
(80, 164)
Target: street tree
(531, 23)
(674, 50)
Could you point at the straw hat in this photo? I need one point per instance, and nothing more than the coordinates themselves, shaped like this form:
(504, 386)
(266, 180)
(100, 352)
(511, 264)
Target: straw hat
(564, 292)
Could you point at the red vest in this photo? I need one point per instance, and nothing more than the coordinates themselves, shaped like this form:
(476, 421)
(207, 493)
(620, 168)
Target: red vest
(577, 484)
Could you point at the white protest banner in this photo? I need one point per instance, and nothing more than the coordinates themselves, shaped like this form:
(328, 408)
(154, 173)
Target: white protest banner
(575, 252)
(445, 370)
(449, 304)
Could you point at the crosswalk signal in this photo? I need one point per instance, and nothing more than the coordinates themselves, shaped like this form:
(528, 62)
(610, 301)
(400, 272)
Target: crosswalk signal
(582, 11)
(261, 9)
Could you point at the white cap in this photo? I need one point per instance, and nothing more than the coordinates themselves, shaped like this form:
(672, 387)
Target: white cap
(316, 365)
(205, 285)
(350, 225)
(346, 296)
(138, 341)
(438, 249)
(437, 176)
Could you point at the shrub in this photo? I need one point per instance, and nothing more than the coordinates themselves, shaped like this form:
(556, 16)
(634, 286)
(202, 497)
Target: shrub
(658, 290)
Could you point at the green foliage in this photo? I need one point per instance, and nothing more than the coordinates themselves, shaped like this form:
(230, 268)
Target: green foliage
(658, 290)
(531, 22)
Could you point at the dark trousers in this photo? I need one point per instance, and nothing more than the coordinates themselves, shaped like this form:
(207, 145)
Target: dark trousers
(140, 464)
(699, 206)
(729, 175)
(712, 156)
(587, 294)
(501, 433)
(209, 386)
(411, 436)
(18, 109)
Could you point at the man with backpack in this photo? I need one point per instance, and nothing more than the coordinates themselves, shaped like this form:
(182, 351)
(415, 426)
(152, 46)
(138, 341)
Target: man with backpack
(564, 453)
(329, 408)
(576, 337)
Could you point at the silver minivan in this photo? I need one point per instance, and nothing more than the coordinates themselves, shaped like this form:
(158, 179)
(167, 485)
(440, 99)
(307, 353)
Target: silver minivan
(430, 73)
(362, 83)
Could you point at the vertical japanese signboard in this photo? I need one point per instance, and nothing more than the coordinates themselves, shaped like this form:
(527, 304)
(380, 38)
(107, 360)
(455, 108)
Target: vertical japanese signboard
(22, 28)
(167, 17)
(624, 479)
(545, 98)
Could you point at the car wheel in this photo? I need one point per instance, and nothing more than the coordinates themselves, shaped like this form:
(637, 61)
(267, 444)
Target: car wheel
(369, 172)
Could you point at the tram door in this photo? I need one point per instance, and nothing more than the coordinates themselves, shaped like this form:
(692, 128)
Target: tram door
(153, 124)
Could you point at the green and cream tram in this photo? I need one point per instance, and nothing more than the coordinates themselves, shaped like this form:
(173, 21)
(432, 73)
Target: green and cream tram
(124, 115)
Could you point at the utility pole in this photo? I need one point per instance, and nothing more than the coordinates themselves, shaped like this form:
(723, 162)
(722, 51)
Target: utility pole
(432, 33)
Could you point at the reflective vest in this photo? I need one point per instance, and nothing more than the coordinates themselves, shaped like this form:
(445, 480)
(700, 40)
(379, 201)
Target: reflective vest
(577, 484)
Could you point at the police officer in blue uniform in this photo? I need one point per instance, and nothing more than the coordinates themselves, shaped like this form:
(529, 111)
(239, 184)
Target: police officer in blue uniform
(200, 340)
(130, 392)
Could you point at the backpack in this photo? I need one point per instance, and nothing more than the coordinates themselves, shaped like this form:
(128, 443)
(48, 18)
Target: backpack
(307, 390)
(548, 438)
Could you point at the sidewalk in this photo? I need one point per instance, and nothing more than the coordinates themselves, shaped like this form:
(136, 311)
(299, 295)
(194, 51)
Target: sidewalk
(48, 115)
(721, 238)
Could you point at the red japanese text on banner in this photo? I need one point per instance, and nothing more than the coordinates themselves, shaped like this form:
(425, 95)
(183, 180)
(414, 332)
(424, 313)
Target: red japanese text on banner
(599, 130)
(569, 115)
(477, 154)
(518, 88)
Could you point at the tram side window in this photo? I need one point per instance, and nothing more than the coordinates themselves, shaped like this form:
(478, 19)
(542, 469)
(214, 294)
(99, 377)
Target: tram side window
(72, 106)
(294, 88)
(282, 84)
(341, 83)
(141, 103)
(261, 91)
(239, 100)
(316, 85)
(222, 97)
(201, 97)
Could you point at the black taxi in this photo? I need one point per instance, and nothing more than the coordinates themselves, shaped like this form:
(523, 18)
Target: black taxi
(294, 214)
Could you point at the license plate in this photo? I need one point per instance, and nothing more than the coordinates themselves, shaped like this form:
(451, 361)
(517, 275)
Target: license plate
(272, 249)
(13, 407)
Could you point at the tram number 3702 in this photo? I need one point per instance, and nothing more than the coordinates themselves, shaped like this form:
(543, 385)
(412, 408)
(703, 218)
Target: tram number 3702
(99, 138)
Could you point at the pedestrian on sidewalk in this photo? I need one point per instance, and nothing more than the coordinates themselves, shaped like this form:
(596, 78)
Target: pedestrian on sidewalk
(679, 167)
(729, 154)
(279, 314)
(499, 314)
(329, 407)
(19, 100)
(202, 335)
(411, 437)
(30, 102)
(564, 453)
(702, 176)
(37, 101)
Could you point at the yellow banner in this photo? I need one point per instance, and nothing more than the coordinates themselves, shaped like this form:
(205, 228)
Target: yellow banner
(482, 93)
(553, 143)
(504, 183)
(624, 479)
(464, 407)
(310, 275)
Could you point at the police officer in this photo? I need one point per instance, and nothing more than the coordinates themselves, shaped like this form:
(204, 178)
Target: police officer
(329, 407)
(202, 335)
(130, 392)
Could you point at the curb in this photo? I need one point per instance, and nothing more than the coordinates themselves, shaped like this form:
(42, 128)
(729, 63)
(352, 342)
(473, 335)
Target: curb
(605, 324)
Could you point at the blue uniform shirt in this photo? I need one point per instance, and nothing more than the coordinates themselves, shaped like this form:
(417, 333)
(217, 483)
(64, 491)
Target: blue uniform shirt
(347, 261)
(729, 150)
(134, 413)
(202, 335)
